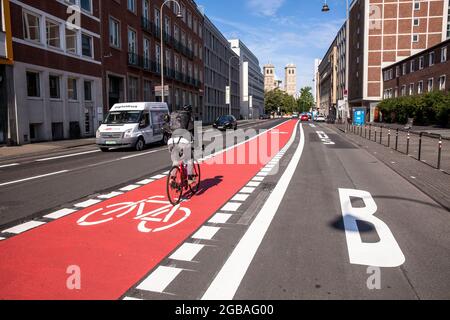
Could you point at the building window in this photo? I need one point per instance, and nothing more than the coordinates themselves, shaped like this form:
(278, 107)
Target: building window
(404, 69)
(403, 91)
(147, 90)
(413, 66)
(411, 89)
(53, 35)
(132, 89)
(33, 84)
(421, 63)
(415, 38)
(416, 22)
(430, 84)
(158, 58)
(444, 54)
(86, 45)
(157, 19)
(114, 32)
(416, 5)
(131, 5)
(87, 91)
(420, 87)
(72, 91)
(442, 80)
(146, 54)
(32, 30)
(86, 5)
(55, 92)
(431, 59)
(397, 71)
(71, 41)
(132, 47)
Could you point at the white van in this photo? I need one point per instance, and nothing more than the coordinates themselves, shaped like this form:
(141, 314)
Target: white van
(134, 125)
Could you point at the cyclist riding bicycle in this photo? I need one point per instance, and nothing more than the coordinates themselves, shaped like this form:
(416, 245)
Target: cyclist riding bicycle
(179, 125)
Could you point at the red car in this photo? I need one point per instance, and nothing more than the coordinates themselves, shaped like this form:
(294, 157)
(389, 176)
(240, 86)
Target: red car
(304, 117)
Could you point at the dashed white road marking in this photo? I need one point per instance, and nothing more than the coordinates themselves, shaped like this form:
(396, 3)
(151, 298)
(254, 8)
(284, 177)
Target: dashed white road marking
(67, 156)
(220, 218)
(131, 299)
(159, 279)
(33, 178)
(2, 238)
(206, 233)
(110, 195)
(146, 181)
(9, 165)
(159, 176)
(24, 227)
(247, 190)
(240, 197)
(232, 206)
(259, 179)
(266, 169)
(262, 174)
(60, 213)
(142, 154)
(130, 187)
(227, 282)
(87, 203)
(187, 252)
(253, 184)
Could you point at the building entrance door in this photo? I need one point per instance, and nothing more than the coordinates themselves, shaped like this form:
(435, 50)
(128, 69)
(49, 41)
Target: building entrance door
(89, 121)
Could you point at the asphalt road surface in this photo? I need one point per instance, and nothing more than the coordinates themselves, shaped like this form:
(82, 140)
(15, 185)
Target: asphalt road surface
(320, 218)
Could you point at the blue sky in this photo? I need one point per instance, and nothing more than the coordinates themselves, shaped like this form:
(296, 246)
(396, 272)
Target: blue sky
(280, 31)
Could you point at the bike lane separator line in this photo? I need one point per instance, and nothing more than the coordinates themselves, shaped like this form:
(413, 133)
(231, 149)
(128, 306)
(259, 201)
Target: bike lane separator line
(229, 278)
(27, 274)
(206, 233)
(87, 203)
(59, 214)
(130, 187)
(110, 195)
(159, 279)
(220, 218)
(24, 227)
(187, 252)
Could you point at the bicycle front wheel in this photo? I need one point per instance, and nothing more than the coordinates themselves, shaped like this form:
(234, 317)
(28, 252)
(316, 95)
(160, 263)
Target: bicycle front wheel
(196, 185)
(175, 186)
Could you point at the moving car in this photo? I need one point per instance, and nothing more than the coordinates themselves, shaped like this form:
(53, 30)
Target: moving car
(320, 118)
(225, 122)
(133, 125)
(304, 117)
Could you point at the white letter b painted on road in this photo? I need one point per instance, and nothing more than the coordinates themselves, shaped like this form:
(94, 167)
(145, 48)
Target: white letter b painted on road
(386, 252)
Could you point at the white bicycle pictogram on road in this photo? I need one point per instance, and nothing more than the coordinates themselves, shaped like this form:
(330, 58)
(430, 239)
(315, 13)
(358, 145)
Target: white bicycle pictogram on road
(151, 211)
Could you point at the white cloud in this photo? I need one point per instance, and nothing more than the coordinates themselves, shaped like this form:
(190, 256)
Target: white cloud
(265, 7)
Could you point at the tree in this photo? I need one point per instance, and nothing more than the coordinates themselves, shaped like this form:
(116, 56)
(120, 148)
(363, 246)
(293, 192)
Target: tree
(306, 100)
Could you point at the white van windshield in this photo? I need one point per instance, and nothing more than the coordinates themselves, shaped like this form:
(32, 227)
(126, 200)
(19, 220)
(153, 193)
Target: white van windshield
(123, 117)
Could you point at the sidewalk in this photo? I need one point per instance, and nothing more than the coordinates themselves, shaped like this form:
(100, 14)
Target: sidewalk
(444, 132)
(433, 182)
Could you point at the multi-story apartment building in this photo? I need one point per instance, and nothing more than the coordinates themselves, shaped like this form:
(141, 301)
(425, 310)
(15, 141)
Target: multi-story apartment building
(290, 75)
(252, 81)
(384, 32)
(342, 74)
(425, 71)
(219, 61)
(316, 89)
(57, 68)
(270, 83)
(328, 82)
(131, 41)
(8, 132)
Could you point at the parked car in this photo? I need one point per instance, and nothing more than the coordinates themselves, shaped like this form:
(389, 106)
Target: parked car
(320, 118)
(264, 117)
(295, 116)
(304, 117)
(134, 125)
(225, 122)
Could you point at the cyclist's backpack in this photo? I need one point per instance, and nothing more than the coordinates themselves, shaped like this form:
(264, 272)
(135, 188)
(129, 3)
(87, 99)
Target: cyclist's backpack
(179, 120)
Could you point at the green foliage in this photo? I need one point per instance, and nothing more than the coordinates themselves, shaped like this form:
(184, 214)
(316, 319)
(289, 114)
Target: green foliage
(306, 100)
(426, 109)
(288, 104)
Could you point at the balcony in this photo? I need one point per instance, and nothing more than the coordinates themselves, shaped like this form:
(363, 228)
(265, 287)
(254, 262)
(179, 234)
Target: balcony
(147, 25)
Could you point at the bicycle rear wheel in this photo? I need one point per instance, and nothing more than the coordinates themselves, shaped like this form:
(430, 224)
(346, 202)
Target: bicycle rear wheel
(197, 174)
(175, 186)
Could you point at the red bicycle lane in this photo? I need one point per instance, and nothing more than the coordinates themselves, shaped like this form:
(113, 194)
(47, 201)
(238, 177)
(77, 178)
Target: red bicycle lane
(113, 252)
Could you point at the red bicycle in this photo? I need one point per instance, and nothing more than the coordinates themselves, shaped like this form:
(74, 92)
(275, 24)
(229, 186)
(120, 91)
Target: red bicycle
(177, 182)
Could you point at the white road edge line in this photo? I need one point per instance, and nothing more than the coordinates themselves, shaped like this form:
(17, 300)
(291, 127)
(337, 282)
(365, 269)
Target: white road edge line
(33, 178)
(67, 156)
(9, 165)
(227, 281)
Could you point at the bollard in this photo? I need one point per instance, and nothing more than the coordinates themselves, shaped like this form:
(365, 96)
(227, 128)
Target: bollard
(420, 147)
(375, 134)
(381, 135)
(439, 153)
(389, 138)
(370, 132)
(407, 144)
(396, 141)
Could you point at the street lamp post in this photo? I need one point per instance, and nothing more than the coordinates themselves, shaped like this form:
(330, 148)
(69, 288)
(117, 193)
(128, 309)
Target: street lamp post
(179, 15)
(229, 76)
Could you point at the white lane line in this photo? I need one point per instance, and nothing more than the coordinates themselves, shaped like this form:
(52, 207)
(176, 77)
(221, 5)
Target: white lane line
(229, 278)
(9, 165)
(142, 154)
(220, 218)
(187, 252)
(266, 169)
(159, 279)
(130, 187)
(262, 174)
(232, 206)
(33, 178)
(110, 195)
(146, 181)
(2, 238)
(206, 233)
(240, 197)
(247, 190)
(131, 299)
(87, 203)
(258, 179)
(166, 173)
(60, 213)
(253, 184)
(67, 156)
(159, 176)
(23, 227)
